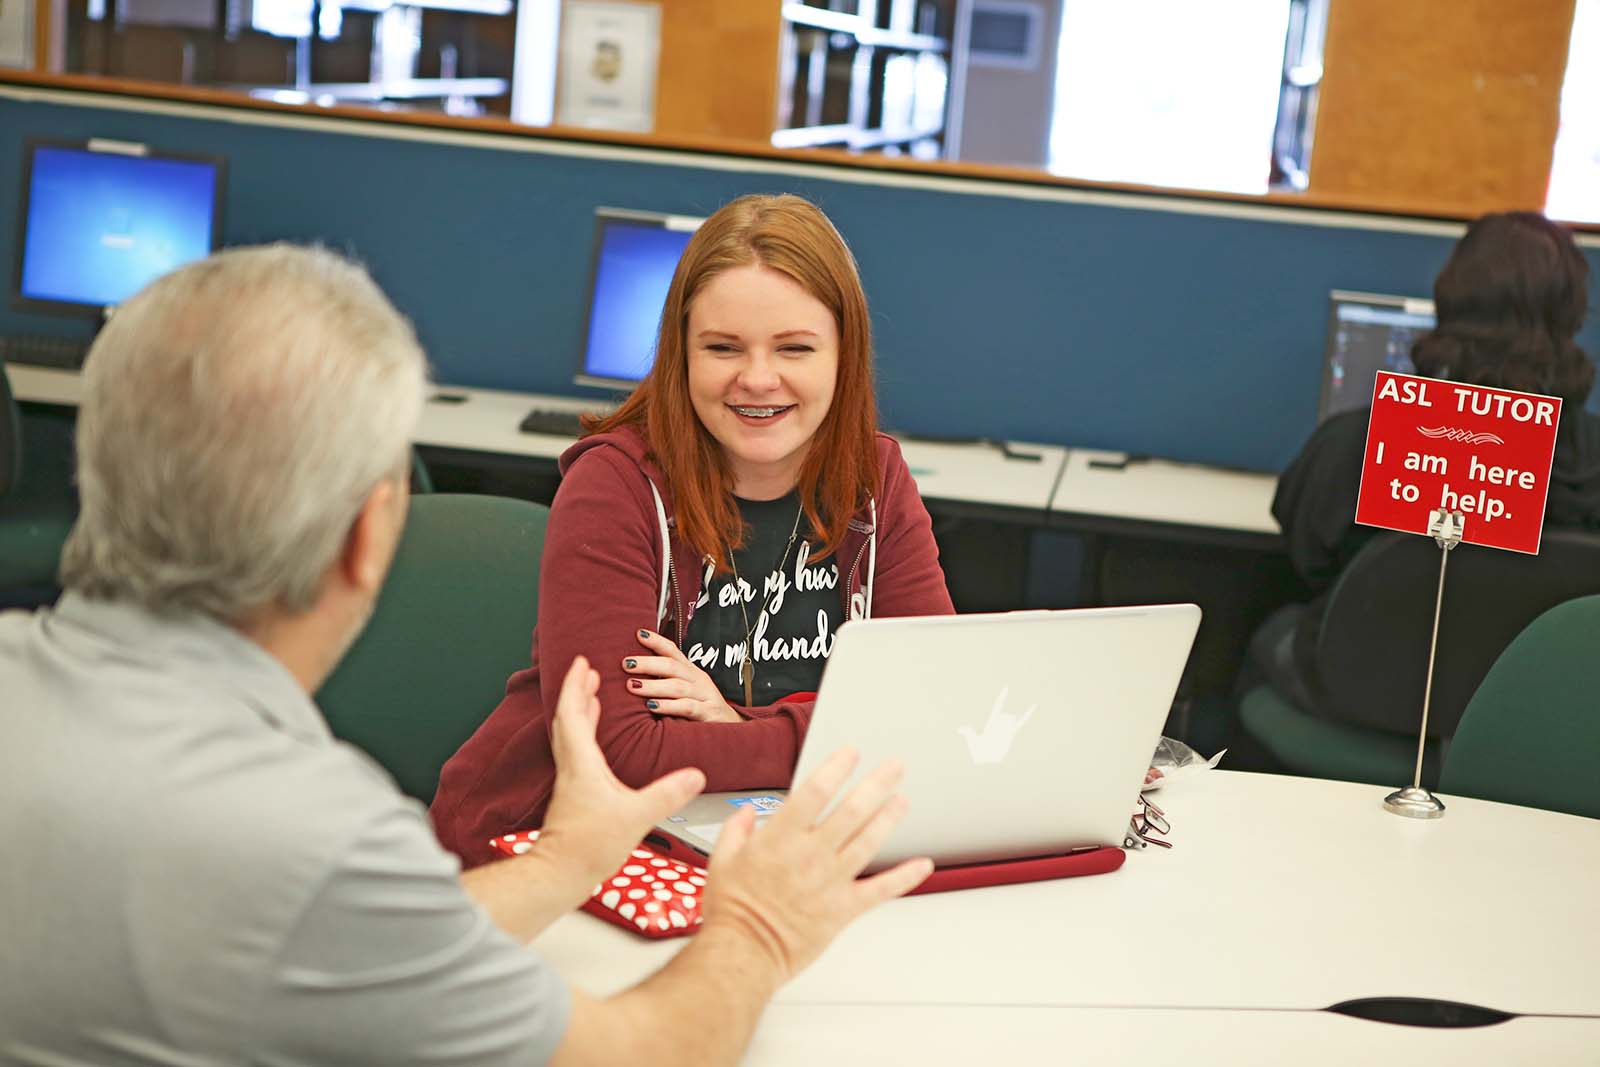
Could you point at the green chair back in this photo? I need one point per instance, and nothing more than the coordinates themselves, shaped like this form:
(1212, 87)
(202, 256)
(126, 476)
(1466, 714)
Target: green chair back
(1372, 655)
(38, 512)
(1531, 734)
(454, 621)
(10, 435)
(421, 477)
(1320, 748)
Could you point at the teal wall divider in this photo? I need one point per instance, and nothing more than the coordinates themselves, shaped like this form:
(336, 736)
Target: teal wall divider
(1182, 328)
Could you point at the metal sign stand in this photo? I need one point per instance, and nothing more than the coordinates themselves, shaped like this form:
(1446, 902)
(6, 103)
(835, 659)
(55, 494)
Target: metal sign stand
(1415, 802)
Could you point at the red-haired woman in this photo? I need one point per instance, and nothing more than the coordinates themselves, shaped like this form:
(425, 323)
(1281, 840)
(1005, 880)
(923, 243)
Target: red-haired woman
(710, 536)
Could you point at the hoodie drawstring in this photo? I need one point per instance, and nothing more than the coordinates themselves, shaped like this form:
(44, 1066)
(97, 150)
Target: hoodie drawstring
(666, 554)
(872, 553)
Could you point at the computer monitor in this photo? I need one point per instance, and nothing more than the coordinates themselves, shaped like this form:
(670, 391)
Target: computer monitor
(100, 219)
(635, 253)
(1368, 332)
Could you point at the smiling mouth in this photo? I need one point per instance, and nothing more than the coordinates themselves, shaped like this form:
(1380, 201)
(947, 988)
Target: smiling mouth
(760, 412)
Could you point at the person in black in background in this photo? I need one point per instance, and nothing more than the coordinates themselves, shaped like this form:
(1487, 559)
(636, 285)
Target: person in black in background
(1509, 303)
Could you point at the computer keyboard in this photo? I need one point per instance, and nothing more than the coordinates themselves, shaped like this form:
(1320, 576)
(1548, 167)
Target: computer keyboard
(559, 423)
(61, 352)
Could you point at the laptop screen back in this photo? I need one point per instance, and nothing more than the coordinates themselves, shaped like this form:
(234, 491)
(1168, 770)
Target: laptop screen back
(1022, 734)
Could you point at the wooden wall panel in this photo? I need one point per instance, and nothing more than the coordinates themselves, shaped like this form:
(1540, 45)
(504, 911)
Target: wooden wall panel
(719, 69)
(1451, 105)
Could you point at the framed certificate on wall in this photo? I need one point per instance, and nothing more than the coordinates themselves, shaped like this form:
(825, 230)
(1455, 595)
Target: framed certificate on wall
(610, 50)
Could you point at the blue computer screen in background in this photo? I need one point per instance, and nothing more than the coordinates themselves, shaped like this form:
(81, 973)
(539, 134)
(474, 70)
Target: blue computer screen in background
(100, 225)
(634, 261)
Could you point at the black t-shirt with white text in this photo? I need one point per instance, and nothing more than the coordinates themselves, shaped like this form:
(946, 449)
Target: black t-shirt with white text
(790, 639)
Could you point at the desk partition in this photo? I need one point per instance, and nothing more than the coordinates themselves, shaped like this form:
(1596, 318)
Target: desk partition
(1155, 324)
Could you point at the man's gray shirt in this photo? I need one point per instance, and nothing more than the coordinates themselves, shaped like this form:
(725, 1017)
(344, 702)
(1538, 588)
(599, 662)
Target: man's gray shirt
(194, 870)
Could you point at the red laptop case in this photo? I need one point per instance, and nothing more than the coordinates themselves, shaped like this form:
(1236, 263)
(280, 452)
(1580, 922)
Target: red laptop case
(960, 876)
(656, 891)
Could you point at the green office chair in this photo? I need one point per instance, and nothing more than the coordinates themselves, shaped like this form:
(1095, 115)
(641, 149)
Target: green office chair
(10, 435)
(1531, 734)
(452, 624)
(421, 477)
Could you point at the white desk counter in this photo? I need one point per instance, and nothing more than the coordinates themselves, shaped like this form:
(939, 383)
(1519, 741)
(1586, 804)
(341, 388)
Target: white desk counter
(1112, 486)
(1060, 482)
(487, 420)
(1281, 894)
(982, 474)
(45, 385)
(473, 420)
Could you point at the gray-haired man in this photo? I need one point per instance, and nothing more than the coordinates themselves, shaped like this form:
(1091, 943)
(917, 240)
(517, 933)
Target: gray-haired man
(195, 871)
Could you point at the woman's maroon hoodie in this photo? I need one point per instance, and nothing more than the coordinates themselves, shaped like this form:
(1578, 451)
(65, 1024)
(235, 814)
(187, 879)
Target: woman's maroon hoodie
(605, 575)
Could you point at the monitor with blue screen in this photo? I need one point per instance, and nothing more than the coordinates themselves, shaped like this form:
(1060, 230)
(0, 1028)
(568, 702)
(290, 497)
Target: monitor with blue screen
(1367, 333)
(635, 254)
(102, 219)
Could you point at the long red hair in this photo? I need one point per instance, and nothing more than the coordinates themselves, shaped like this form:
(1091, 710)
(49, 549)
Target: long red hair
(790, 235)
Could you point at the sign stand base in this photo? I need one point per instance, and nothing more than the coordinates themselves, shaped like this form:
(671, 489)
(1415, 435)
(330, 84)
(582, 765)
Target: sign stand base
(1415, 802)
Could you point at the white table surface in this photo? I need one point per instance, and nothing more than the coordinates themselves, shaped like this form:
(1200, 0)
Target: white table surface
(1157, 490)
(794, 1035)
(1280, 894)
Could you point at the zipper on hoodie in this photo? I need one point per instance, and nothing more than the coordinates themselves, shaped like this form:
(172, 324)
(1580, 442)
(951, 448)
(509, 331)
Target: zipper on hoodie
(850, 583)
(680, 624)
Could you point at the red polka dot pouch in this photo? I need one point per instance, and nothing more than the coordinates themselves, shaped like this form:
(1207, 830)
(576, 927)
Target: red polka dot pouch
(650, 894)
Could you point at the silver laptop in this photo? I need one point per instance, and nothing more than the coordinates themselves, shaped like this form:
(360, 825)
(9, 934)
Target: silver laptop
(1023, 734)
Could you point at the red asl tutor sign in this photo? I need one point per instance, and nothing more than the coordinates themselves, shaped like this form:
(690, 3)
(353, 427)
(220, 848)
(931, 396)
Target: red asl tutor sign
(1438, 444)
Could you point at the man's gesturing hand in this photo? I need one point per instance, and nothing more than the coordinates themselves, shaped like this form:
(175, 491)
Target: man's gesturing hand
(593, 819)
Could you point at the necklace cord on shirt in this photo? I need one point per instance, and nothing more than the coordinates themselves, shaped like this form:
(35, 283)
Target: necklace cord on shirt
(747, 668)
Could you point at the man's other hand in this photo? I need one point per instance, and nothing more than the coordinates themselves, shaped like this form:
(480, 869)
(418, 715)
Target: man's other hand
(791, 886)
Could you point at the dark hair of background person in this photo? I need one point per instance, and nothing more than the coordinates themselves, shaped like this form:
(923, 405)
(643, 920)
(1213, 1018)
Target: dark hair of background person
(1510, 301)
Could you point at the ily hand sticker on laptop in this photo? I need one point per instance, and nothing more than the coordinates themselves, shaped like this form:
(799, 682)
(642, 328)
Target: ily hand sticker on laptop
(764, 805)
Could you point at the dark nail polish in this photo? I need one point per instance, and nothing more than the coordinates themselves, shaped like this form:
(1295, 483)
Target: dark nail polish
(630, 664)
(652, 704)
(644, 633)
(634, 683)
